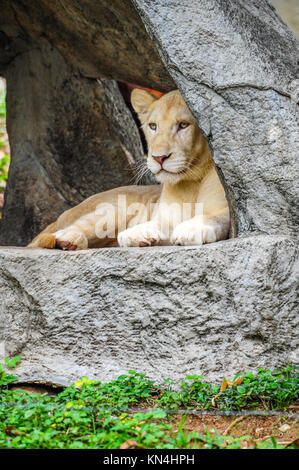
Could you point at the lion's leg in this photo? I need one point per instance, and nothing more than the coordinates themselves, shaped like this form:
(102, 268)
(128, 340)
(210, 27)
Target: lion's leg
(94, 222)
(199, 230)
(77, 235)
(70, 239)
(146, 234)
(45, 239)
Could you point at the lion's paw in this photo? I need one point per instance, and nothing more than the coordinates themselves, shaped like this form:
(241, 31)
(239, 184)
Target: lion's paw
(141, 235)
(192, 233)
(71, 240)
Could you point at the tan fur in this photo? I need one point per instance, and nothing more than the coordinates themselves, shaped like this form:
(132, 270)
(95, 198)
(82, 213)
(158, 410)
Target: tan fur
(188, 175)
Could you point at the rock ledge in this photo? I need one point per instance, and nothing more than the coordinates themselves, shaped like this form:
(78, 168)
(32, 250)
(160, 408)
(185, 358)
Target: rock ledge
(215, 310)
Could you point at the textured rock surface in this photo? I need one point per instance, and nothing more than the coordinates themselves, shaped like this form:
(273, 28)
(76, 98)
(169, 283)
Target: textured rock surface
(103, 38)
(71, 137)
(215, 310)
(236, 64)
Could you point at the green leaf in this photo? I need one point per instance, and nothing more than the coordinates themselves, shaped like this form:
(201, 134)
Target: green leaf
(13, 362)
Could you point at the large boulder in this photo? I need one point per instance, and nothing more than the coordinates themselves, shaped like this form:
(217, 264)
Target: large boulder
(70, 131)
(216, 310)
(103, 38)
(236, 64)
(70, 137)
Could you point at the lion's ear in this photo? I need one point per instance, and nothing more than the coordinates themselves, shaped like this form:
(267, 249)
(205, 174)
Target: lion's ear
(141, 101)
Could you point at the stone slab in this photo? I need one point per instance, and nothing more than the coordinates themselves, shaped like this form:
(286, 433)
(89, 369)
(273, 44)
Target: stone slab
(215, 310)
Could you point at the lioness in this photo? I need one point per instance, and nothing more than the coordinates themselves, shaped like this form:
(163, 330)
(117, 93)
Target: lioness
(180, 159)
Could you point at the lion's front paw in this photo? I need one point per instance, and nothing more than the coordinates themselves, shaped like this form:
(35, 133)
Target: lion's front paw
(193, 233)
(71, 240)
(141, 235)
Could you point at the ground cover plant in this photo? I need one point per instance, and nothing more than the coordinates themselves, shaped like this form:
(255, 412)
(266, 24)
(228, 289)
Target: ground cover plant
(4, 145)
(133, 412)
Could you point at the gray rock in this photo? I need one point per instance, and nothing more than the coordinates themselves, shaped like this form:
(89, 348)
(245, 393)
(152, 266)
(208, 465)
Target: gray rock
(103, 38)
(71, 134)
(71, 137)
(236, 64)
(216, 310)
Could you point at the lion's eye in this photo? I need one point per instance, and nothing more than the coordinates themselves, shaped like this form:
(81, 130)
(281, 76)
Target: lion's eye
(153, 126)
(183, 125)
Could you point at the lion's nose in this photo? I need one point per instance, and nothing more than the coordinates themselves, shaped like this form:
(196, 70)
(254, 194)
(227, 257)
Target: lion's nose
(161, 158)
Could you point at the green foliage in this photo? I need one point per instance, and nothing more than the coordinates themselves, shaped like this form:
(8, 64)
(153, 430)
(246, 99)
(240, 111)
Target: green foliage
(117, 394)
(193, 393)
(91, 414)
(4, 158)
(13, 362)
(2, 103)
(4, 164)
(266, 389)
(213, 440)
(271, 390)
(5, 379)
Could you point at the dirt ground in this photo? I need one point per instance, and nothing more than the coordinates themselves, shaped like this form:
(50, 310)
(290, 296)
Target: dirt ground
(285, 430)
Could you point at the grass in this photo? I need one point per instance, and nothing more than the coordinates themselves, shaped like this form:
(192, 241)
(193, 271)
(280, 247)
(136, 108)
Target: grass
(91, 414)
(2, 102)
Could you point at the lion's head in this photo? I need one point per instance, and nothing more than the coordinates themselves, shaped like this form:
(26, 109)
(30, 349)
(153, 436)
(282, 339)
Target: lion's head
(175, 142)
